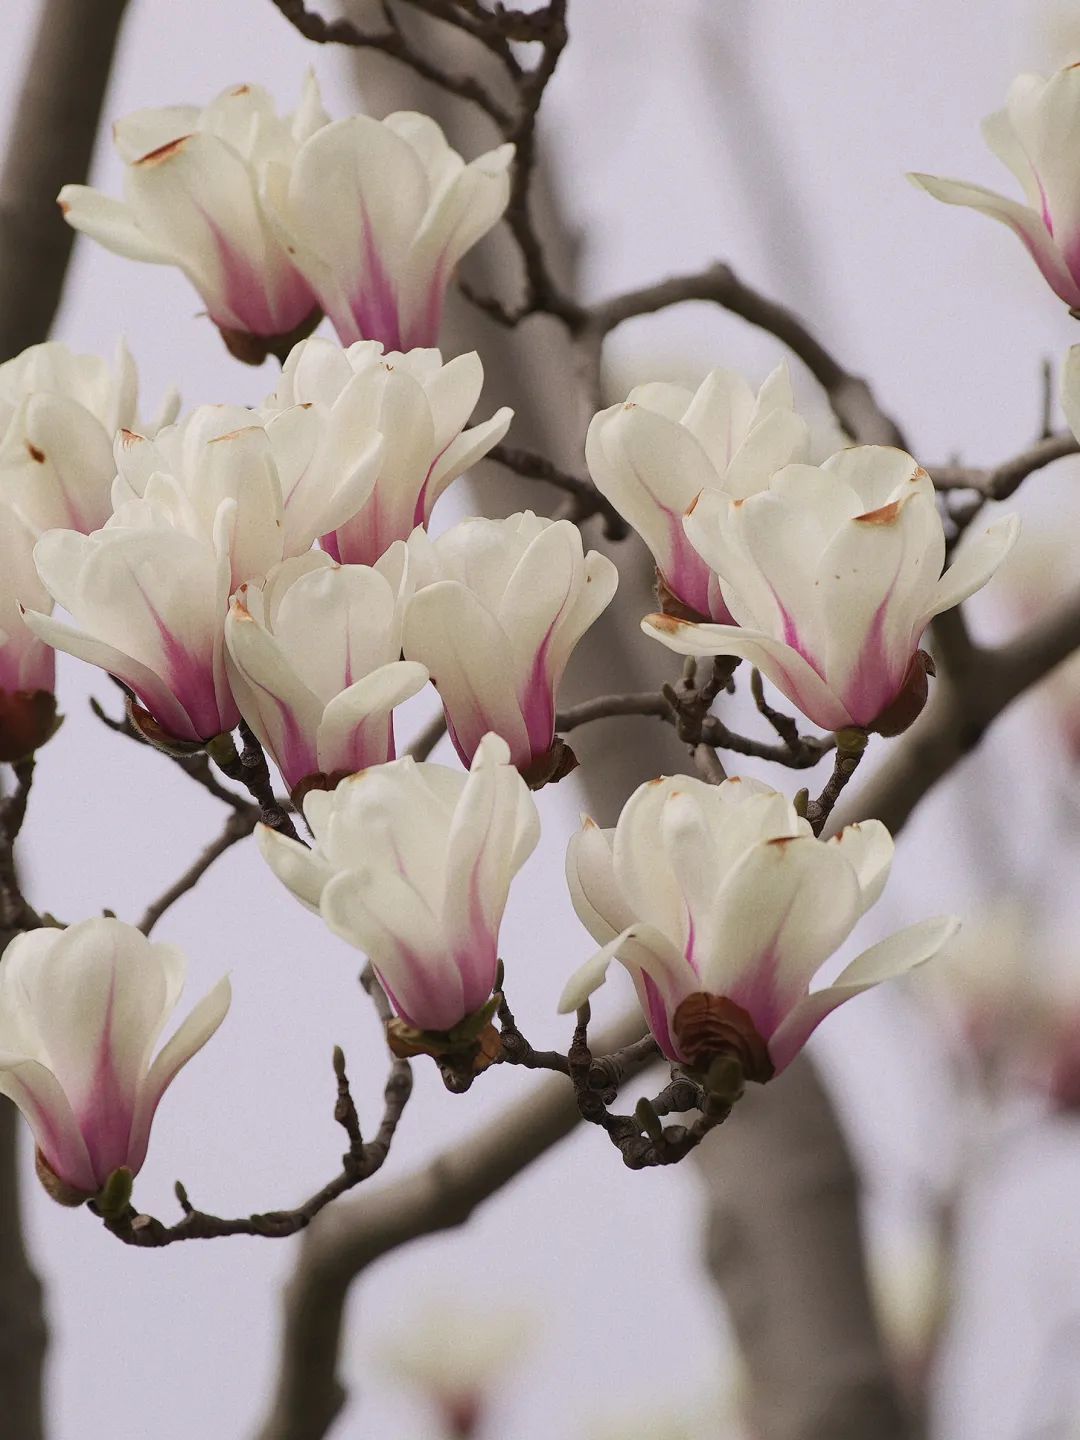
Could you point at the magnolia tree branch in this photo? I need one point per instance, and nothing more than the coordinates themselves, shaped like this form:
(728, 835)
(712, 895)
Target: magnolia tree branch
(238, 826)
(55, 124)
(350, 1238)
(784, 1247)
(1004, 480)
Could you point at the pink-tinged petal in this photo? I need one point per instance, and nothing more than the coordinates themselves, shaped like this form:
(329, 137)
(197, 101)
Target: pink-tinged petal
(661, 977)
(461, 454)
(281, 710)
(356, 729)
(979, 557)
(778, 916)
(494, 830)
(652, 469)
(187, 1041)
(389, 919)
(197, 196)
(62, 475)
(1022, 221)
(45, 1108)
(472, 665)
(779, 663)
(890, 958)
(875, 581)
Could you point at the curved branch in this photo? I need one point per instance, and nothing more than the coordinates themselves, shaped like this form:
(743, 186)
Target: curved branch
(240, 824)
(1003, 480)
(851, 398)
(349, 1238)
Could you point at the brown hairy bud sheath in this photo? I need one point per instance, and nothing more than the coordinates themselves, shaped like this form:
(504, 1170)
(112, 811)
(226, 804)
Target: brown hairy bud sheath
(27, 719)
(254, 349)
(909, 703)
(670, 604)
(59, 1190)
(707, 1027)
(551, 767)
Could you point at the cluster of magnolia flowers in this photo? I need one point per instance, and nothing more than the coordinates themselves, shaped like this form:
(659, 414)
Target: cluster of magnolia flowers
(274, 565)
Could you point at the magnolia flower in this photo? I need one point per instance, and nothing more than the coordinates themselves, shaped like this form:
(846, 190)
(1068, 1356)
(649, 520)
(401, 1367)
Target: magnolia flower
(412, 864)
(193, 197)
(722, 905)
(458, 1359)
(58, 415)
(377, 214)
(1037, 136)
(498, 609)
(149, 605)
(654, 455)
(832, 575)
(27, 664)
(420, 405)
(81, 1011)
(313, 656)
(262, 484)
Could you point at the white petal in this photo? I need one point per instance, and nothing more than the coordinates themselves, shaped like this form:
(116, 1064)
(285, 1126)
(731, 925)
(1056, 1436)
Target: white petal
(299, 869)
(977, 561)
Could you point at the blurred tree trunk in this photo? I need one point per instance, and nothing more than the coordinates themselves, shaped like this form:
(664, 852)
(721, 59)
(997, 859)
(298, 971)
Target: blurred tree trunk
(51, 141)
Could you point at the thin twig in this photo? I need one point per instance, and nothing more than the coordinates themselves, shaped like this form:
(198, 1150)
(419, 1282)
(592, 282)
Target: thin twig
(239, 825)
(851, 398)
(588, 499)
(360, 1162)
(395, 44)
(1003, 480)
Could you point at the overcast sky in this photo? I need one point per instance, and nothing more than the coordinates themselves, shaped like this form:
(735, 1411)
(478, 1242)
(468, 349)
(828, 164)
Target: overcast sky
(667, 122)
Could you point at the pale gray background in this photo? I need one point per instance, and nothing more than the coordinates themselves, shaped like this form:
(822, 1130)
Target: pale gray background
(672, 117)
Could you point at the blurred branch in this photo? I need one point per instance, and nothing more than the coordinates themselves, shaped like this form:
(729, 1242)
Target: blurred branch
(350, 1238)
(54, 127)
(588, 500)
(785, 1248)
(1003, 480)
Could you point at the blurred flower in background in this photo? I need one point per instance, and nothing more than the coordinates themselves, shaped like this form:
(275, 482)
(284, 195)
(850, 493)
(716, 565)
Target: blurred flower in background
(456, 1359)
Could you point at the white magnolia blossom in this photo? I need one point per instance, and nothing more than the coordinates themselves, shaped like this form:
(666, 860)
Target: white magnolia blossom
(421, 407)
(499, 606)
(457, 1358)
(27, 664)
(1037, 136)
(148, 602)
(194, 198)
(59, 413)
(262, 485)
(81, 1012)
(653, 455)
(722, 905)
(833, 574)
(412, 864)
(377, 214)
(313, 656)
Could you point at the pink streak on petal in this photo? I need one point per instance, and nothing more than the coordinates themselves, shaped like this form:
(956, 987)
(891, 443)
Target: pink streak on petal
(685, 573)
(107, 1111)
(657, 1016)
(190, 680)
(374, 302)
(874, 685)
(250, 301)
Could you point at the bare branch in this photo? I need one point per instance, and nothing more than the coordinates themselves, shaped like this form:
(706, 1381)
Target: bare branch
(351, 1237)
(588, 498)
(53, 131)
(851, 398)
(359, 1163)
(429, 737)
(394, 43)
(239, 825)
(1003, 480)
